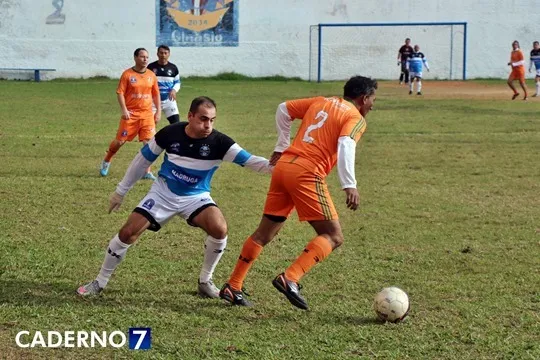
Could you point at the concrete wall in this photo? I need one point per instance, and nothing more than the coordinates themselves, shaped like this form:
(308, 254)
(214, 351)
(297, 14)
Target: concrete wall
(99, 36)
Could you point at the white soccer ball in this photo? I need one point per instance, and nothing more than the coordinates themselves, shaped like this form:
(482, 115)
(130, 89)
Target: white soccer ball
(391, 304)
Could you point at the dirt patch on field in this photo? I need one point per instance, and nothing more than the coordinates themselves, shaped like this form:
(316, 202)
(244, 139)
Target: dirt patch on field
(457, 90)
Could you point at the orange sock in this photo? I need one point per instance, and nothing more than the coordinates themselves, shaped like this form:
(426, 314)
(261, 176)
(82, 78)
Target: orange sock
(113, 149)
(250, 252)
(317, 250)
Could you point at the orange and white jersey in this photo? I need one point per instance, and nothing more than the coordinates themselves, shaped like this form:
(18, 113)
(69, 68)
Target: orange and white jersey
(138, 90)
(324, 121)
(517, 59)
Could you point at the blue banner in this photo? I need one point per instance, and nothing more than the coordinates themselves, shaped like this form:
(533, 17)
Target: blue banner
(197, 22)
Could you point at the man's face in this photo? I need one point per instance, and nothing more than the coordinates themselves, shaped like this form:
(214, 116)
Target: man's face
(141, 60)
(515, 45)
(416, 48)
(536, 46)
(366, 104)
(202, 121)
(163, 56)
(407, 42)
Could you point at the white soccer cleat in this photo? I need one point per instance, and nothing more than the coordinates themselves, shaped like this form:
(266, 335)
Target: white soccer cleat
(208, 290)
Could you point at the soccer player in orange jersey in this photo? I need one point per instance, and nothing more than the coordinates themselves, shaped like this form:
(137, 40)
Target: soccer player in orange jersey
(517, 62)
(137, 88)
(330, 129)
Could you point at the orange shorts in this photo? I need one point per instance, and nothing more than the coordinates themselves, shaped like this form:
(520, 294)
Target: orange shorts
(142, 126)
(517, 74)
(292, 186)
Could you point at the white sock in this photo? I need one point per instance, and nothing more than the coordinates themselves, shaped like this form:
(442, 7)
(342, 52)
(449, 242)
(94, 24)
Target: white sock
(113, 256)
(419, 85)
(213, 250)
(538, 88)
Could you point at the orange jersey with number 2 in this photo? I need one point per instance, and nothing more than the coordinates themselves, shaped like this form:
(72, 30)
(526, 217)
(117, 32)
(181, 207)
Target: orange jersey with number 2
(324, 121)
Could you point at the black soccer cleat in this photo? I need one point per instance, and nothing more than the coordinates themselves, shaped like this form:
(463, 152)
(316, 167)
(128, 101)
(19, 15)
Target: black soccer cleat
(234, 297)
(291, 290)
(419, 93)
(410, 92)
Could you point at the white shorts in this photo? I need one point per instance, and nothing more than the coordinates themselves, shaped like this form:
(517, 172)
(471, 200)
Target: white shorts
(160, 205)
(169, 107)
(413, 75)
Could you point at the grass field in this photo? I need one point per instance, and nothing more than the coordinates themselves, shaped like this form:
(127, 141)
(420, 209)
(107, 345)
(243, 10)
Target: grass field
(450, 213)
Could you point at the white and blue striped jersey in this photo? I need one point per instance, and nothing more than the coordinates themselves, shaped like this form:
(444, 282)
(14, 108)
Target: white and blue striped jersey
(189, 164)
(168, 78)
(535, 58)
(415, 61)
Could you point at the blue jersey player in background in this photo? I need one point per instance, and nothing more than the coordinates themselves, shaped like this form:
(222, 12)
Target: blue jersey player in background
(168, 82)
(535, 59)
(193, 152)
(415, 63)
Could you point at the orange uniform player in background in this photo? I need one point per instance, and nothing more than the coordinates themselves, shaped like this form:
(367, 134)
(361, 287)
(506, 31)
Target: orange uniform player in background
(330, 129)
(137, 90)
(517, 62)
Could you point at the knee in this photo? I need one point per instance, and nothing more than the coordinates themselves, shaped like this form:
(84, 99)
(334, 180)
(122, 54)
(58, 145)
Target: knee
(127, 235)
(336, 240)
(261, 238)
(218, 231)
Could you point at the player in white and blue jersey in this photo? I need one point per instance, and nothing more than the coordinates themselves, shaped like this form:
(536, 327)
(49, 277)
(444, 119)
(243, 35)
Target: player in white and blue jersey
(535, 59)
(415, 64)
(193, 152)
(168, 81)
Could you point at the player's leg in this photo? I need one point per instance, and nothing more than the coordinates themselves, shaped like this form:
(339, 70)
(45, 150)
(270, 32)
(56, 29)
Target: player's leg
(510, 83)
(147, 130)
(277, 208)
(405, 72)
(170, 108)
(537, 82)
(419, 84)
(314, 204)
(268, 228)
(523, 84)
(210, 218)
(153, 211)
(127, 130)
(115, 253)
(411, 82)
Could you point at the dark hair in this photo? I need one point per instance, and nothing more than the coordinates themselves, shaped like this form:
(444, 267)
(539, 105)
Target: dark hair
(358, 86)
(536, 43)
(408, 39)
(138, 50)
(515, 41)
(201, 100)
(164, 47)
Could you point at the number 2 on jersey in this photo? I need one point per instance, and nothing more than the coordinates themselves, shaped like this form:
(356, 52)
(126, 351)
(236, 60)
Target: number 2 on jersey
(322, 115)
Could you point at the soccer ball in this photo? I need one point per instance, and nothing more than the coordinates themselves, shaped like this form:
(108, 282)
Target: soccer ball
(391, 304)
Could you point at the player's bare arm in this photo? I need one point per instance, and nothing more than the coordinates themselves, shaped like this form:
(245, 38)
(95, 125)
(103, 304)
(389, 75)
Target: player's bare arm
(123, 108)
(136, 170)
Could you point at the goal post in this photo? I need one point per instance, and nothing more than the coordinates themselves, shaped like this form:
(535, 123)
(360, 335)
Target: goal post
(337, 51)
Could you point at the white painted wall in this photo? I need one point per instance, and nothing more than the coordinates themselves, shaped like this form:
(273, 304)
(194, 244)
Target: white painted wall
(99, 36)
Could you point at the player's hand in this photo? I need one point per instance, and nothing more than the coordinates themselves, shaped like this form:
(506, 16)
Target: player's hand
(157, 116)
(172, 95)
(274, 158)
(125, 114)
(398, 63)
(509, 64)
(353, 198)
(115, 200)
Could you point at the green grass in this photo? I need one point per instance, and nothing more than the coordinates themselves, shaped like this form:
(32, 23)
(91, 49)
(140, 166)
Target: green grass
(449, 213)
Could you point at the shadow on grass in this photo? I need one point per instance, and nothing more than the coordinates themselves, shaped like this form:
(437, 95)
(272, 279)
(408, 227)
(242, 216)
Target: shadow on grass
(21, 293)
